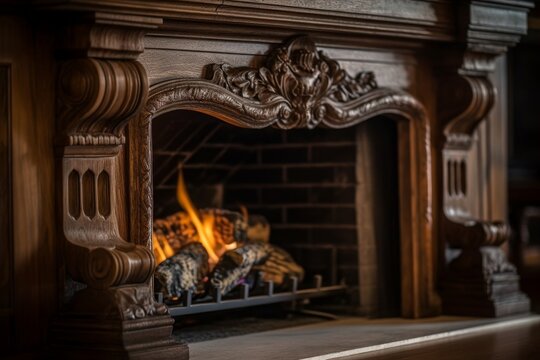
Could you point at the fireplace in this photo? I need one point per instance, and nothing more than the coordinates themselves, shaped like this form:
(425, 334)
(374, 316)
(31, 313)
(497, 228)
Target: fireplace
(351, 129)
(307, 185)
(314, 106)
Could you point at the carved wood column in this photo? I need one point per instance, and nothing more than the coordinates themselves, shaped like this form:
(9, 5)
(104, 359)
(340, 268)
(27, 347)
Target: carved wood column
(480, 281)
(100, 87)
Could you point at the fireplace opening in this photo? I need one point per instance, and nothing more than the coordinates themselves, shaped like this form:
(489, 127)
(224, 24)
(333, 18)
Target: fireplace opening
(326, 199)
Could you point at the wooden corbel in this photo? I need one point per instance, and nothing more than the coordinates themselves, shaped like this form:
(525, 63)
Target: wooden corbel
(480, 281)
(100, 87)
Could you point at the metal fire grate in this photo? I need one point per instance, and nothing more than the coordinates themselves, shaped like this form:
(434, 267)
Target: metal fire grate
(217, 303)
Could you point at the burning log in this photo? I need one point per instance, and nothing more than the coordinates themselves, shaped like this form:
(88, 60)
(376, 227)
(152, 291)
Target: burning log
(184, 271)
(177, 230)
(279, 267)
(271, 263)
(236, 243)
(258, 228)
(228, 226)
(235, 265)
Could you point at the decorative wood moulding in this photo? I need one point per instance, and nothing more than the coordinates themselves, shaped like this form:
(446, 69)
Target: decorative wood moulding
(97, 97)
(498, 23)
(101, 86)
(470, 107)
(301, 87)
(480, 281)
(105, 34)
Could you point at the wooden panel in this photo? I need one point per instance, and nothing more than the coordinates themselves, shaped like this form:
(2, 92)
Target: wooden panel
(487, 174)
(378, 218)
(28, 50)
(6, 240)
(168, 57)
(413, 19)
(498, 146)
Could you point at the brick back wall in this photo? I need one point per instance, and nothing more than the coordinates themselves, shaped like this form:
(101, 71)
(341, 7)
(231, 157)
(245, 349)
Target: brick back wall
(302, 181)
(305, 185)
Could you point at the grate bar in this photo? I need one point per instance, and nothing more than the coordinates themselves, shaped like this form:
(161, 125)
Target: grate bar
(246, 301)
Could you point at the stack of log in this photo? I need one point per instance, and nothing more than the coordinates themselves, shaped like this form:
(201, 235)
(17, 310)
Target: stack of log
(186, 267)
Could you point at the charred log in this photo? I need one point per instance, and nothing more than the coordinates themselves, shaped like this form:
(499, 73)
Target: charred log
(178, 229)
(279, 267)
(229, 226)
(235, 265)
(256, 263)
(184, 271)
(258, 228)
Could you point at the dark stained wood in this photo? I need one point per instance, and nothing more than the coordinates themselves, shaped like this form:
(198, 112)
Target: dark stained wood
(379, 234)
(100, 87)
(29, 56)
(6, 220)
(480, 281)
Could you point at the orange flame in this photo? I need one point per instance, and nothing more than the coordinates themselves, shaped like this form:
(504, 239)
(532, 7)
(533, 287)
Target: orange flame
(209, 234)
(204, 226)
(162, 249)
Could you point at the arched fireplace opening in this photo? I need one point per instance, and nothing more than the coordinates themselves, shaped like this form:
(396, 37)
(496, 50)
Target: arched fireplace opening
(301, 91)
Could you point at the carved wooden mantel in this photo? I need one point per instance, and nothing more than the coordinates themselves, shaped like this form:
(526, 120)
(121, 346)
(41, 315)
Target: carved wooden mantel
(291, 64)
(302, 88)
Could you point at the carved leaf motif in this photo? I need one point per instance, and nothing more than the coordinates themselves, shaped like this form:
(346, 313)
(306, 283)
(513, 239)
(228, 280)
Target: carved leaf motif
(305, 81)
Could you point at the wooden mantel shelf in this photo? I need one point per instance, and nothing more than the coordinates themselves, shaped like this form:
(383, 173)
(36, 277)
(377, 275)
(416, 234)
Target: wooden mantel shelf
(432, 20)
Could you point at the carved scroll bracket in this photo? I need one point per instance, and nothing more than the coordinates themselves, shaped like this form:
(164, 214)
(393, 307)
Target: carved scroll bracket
(471, 280)
(97, 97)
(100, 87)
(100, 83)
(465, 96)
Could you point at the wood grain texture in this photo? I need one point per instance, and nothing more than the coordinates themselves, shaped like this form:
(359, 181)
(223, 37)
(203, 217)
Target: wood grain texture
(6, 221)
(417, 19)
(167, 57)
(32, 104)
(100, 86)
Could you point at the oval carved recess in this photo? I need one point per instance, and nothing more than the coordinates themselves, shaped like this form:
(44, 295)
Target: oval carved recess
(74, 194)
(89, 194)
(104, 194)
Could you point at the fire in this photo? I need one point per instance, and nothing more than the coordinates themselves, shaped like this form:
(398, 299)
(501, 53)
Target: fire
(205, 226)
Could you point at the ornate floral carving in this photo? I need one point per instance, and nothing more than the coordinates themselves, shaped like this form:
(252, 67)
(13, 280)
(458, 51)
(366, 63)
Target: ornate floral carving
(125, 303)
(306, 84)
